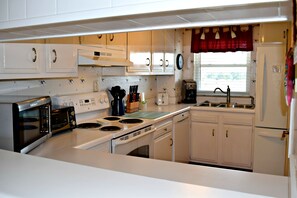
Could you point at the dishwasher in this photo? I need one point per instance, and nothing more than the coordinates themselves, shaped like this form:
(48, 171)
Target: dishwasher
(181, 138)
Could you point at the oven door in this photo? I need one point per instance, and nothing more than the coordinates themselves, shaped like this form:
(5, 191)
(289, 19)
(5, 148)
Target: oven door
(138, 146)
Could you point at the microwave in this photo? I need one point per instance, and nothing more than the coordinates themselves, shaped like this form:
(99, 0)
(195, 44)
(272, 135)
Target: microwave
(25, 122)
(62, 119)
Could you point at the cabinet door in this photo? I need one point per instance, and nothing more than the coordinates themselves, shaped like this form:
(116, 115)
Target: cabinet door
(61, 59)
(169, 51)
(204, 142)
(22, 58)
(139, 51)
(163, 147)
(94, 40)
(116, 41)
(237, 146)
(181, 141)
(158, 47)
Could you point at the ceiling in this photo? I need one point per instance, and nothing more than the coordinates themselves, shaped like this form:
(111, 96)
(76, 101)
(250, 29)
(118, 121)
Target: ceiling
(205, 17)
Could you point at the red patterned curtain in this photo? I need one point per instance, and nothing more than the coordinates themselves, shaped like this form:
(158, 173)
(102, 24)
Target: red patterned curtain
(218, 40)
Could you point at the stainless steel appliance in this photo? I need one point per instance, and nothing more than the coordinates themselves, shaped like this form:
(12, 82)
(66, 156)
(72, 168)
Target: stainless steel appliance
(25, 122)
(189, 91)
(62, 119)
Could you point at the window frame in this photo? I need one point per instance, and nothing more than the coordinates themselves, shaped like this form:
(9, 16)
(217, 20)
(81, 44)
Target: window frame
(197, 75)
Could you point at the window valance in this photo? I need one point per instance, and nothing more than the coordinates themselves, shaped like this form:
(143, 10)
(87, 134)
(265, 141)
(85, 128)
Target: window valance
(235, 38)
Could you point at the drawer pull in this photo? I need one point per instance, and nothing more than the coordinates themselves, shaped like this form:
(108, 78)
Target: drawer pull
(171, 141)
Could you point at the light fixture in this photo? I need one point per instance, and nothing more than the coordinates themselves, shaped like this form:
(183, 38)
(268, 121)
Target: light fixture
(233, 35)
(202, 37)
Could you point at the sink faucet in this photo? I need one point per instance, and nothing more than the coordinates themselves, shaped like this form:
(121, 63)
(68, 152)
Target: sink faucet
(228, 94)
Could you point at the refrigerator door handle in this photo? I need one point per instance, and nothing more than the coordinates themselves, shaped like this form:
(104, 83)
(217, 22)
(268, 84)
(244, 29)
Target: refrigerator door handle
(270, 135)
(264, 86)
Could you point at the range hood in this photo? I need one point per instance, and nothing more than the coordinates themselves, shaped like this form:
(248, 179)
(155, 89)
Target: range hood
(102, 57)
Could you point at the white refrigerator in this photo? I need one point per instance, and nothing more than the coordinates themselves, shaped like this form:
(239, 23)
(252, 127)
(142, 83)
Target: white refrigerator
(271, 111)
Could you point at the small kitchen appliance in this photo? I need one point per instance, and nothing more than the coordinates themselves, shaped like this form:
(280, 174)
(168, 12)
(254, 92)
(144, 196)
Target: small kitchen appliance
(117, 105)
(25, 122)
(162, 99)
(189, 90)
(62, 119)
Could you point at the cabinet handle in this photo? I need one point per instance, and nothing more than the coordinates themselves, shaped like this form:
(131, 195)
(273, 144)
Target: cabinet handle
(213, 132)
(161, 62)
(166, 63)
(111, 37)
(35, 55)
(147, 61)
(227, 135)
(99, 36)
(171, 141)
(55, 54)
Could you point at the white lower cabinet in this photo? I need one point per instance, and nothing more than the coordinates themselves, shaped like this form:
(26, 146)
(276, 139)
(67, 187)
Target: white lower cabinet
(237, 146)
(222, 138)
(28, 61)
(163, 141)
(204, 142)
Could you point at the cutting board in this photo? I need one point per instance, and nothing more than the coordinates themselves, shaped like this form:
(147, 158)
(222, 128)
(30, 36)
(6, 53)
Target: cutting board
(146, 114)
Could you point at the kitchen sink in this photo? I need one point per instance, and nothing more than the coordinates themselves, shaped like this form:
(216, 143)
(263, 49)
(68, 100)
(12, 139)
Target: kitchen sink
(225, 105)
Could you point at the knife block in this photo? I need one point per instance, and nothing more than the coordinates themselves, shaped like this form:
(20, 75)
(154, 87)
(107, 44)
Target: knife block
(131, 106)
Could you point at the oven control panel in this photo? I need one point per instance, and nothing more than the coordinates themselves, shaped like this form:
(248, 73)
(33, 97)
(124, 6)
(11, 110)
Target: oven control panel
(84, 102)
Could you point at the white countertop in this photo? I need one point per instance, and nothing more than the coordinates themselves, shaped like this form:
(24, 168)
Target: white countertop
(31, 176)
(110, 171)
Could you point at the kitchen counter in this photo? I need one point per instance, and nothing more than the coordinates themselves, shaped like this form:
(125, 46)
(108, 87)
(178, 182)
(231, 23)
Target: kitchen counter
(31, 176)
(192, 177)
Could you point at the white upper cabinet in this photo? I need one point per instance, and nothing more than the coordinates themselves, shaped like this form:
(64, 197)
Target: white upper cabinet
(27, 61)
(94, 40)
(61, 58)
(21, 58)
(163, 51)
(116, 41)
(158, 49)
(139, 51)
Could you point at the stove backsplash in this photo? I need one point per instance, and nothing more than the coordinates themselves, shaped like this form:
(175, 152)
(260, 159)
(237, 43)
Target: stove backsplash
(89, 80)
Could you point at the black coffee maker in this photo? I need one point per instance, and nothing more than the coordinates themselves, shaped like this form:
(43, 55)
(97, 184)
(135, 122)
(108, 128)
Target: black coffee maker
(117, 104)
(189, 90)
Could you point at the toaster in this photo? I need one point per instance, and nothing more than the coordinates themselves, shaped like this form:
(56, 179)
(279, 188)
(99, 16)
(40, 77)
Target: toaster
(162, 99)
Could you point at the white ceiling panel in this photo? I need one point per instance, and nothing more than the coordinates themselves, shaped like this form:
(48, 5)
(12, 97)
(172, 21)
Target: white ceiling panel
(255, 13)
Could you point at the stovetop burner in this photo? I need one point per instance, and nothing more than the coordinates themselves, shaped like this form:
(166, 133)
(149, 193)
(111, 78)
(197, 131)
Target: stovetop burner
(110, 128)
(111, 118)
(131, 121)
(88, 125)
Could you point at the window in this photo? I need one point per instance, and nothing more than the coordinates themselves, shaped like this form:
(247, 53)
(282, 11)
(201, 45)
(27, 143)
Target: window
(213, 70)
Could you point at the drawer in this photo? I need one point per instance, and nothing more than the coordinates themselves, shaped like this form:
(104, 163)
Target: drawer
(238, 119)
(161, 130)
(202, 116)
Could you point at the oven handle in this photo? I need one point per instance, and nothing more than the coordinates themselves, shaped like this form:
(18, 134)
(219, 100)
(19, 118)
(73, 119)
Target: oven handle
(120, 142)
